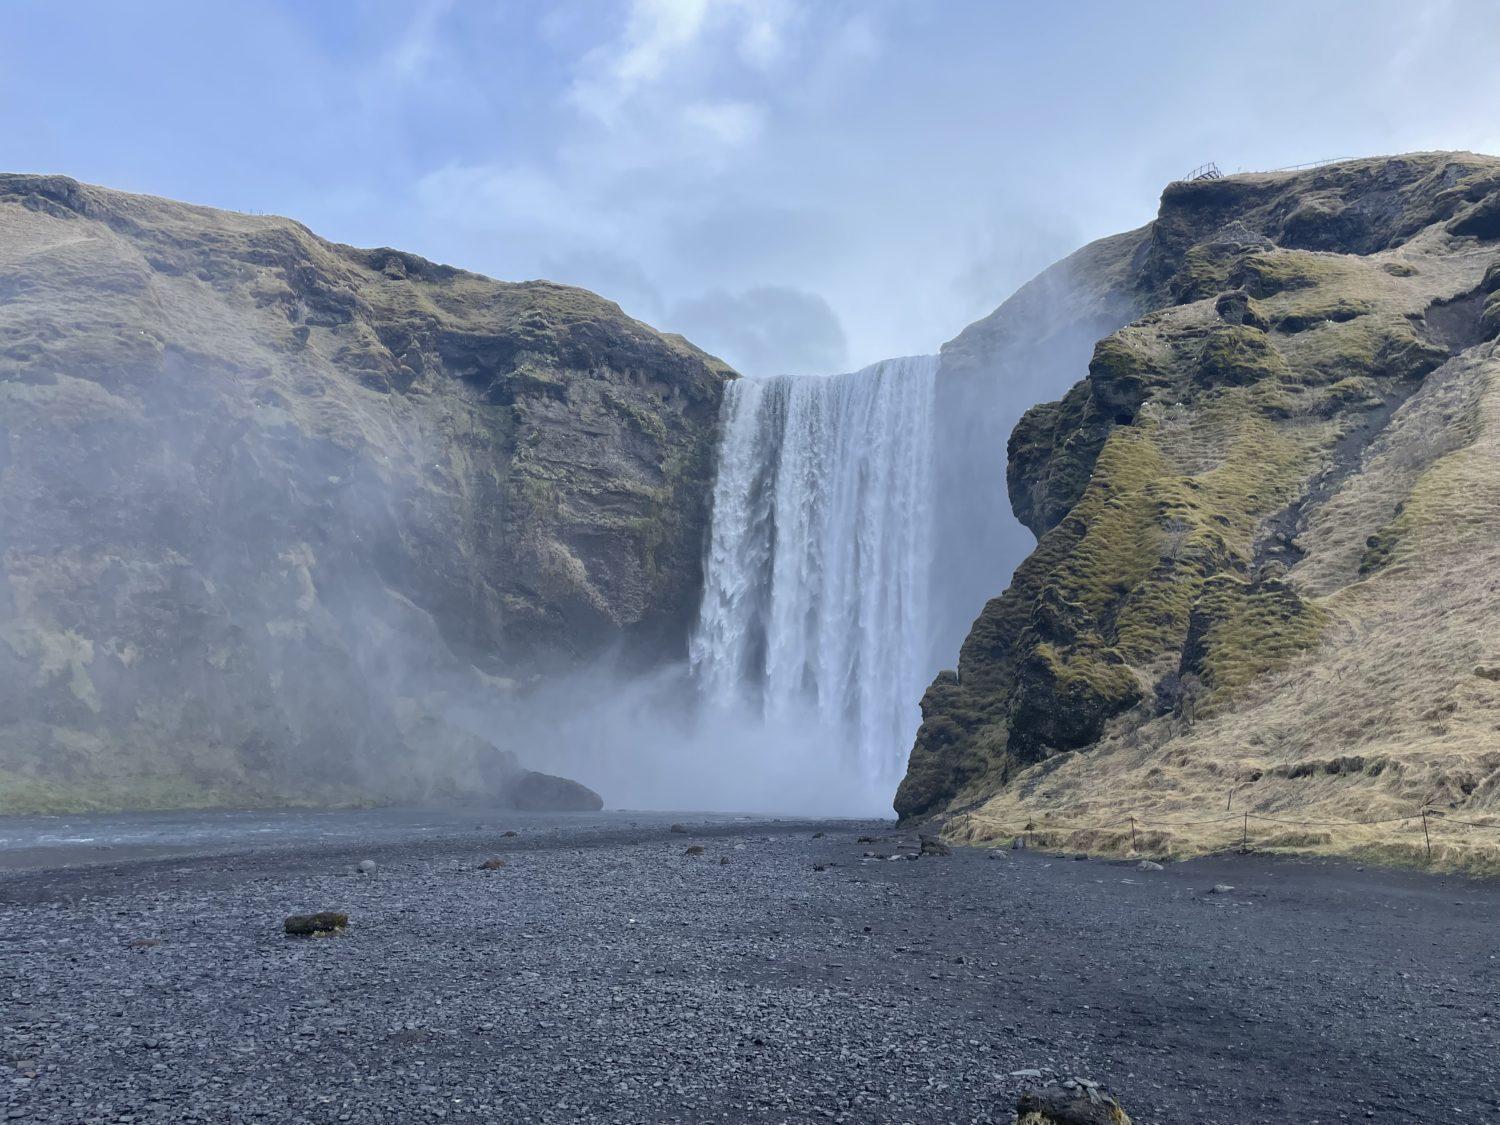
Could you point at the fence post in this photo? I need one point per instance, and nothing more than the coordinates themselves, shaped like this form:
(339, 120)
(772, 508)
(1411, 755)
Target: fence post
(1245, 837)
(1425, 834)
(1132, 833)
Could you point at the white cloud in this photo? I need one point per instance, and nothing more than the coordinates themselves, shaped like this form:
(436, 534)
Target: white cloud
(727, 124)
(669, 67)
(414, 52)
(656, 31)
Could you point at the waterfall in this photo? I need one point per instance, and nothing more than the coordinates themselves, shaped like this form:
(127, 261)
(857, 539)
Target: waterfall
(815, 603)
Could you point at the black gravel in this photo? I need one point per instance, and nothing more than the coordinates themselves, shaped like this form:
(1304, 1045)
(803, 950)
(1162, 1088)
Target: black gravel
(603, 975)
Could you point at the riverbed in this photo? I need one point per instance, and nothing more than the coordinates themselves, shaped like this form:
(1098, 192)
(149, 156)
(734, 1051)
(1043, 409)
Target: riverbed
(789, 972)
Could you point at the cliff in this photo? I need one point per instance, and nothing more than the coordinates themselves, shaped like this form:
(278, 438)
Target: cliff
(1267, 530)
(270, 505)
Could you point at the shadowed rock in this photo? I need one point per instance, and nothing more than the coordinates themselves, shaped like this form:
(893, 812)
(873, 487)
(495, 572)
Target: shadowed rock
(543, 792)
(308, 925)
(931, 845)
(1073, 1103)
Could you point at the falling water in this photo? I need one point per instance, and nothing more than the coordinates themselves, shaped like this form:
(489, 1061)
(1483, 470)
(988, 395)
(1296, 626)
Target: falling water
(815, 602)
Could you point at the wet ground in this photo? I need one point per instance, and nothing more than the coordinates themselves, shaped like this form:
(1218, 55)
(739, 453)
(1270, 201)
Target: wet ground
(604, 975)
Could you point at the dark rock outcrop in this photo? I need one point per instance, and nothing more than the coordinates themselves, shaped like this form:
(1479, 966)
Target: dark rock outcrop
(269, 504)
(1074, 1103)
(313, 925)
(542, 792)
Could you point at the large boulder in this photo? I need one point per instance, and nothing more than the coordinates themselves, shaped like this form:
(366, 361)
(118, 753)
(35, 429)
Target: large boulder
(544, 792)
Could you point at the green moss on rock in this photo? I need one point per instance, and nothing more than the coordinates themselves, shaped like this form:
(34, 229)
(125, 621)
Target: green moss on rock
(1239, 354)
(1241, 630)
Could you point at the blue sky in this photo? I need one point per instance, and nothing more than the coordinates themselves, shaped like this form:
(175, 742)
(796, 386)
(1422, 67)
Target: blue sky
(803, 185)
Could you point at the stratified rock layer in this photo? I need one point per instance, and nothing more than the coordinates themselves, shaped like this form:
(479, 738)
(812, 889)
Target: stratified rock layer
(1267, 523)
(269, 506)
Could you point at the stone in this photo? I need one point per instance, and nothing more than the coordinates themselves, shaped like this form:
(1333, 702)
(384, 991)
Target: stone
(1071, 1103)
(1221, 889)
(309, 925)
(545, 792)
(693, 849)
(1018, 843)
(931, 845)
(677, 828)
(1148, 865)
(494, 863)
(366, 867)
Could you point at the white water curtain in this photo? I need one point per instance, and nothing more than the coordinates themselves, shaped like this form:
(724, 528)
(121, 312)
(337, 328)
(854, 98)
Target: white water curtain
(815, 603)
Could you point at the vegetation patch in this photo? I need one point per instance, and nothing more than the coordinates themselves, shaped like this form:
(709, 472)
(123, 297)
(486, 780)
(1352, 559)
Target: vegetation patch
(1238, 354)
(1280, 271)
(1242, 630)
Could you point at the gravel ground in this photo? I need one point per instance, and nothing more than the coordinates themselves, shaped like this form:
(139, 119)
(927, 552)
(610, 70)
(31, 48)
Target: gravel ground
(604, 975)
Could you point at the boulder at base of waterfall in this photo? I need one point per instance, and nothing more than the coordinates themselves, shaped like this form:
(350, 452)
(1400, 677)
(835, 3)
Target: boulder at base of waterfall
(544, 792)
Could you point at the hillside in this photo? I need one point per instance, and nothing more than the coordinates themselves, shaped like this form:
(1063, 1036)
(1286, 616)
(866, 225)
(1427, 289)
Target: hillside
(1268, 528)
(270, 506)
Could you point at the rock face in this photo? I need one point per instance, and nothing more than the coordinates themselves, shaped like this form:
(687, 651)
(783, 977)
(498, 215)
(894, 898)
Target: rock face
(1266, 518)
(268, 505)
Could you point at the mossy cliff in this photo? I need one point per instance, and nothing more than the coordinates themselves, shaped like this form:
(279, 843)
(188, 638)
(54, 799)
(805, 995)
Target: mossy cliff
(269, 504)
(1193, 501)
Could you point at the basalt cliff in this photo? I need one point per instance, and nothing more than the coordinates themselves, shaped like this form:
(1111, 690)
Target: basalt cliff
(1268, 530)
(270, 505)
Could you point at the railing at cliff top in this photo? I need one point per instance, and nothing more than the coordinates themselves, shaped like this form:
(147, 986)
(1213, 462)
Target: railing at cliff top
(1312, 164)
(1211, 171)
